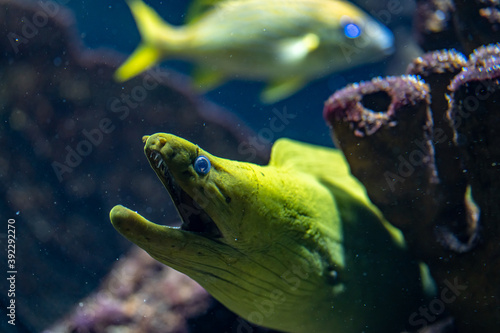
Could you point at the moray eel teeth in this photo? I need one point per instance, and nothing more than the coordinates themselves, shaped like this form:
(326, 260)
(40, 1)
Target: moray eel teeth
(194, 218)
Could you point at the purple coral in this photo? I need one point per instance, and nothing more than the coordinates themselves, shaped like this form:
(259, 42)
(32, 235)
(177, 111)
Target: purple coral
(103, 312)
(429, 198)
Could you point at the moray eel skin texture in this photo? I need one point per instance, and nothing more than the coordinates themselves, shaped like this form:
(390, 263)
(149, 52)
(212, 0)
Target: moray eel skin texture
(294, 245)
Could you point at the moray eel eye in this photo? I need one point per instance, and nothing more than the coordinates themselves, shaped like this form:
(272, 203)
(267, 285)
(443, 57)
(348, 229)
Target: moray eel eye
(202, 165)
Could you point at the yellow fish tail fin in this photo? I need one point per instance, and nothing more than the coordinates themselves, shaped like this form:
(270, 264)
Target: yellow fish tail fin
(143, 58)
(155, 34)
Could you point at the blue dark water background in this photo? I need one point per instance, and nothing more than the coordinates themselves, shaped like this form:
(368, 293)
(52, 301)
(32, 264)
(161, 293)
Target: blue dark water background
(109, 24)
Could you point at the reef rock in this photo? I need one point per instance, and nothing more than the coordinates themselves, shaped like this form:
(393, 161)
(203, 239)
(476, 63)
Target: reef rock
(433, 170)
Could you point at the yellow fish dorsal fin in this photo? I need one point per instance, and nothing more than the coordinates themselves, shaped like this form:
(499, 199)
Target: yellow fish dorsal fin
(148, 21)
(148, 53)
(428, 284)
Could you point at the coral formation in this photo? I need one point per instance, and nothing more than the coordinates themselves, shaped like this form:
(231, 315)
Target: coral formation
(433, 168)
(419, 159)
(465, 24)
(433, 25)
(477, 23)
(366, 118)
(141, 295)
(424, 174)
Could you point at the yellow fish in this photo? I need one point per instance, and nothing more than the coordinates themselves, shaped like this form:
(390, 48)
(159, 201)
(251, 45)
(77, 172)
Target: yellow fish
(286, 43)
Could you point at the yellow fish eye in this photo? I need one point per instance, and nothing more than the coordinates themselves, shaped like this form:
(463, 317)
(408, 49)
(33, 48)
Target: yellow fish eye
(352, 30)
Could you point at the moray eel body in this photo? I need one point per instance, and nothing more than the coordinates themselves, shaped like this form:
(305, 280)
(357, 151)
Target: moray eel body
(285, 43)
(294, 245)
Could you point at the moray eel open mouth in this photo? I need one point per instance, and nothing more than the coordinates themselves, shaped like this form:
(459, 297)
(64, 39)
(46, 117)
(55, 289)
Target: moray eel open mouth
(193, 216)
(294, 245)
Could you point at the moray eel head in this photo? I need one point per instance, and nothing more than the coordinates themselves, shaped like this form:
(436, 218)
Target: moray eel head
(180, 165)
(277, 244)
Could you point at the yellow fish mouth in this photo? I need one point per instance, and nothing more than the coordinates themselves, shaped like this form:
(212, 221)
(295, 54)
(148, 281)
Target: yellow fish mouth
(194, 218)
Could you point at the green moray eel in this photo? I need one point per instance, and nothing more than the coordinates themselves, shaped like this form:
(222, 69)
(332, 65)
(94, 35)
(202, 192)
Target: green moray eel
(294, 245)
